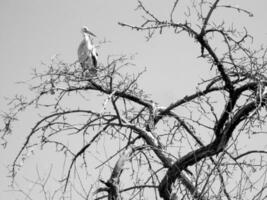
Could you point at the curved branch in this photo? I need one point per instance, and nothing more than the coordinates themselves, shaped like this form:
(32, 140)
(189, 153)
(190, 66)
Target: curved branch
(117, 93)
(186, 99)
(114, 180)
(82, 150)
(215, 147)
(36, 128)
(249, 152)
(207, 18)
(166, 161)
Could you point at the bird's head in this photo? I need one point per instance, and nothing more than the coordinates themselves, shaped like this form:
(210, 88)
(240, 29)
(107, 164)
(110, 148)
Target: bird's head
(85, 30)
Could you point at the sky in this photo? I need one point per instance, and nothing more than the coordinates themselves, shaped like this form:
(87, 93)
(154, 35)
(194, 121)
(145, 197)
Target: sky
(33, 31)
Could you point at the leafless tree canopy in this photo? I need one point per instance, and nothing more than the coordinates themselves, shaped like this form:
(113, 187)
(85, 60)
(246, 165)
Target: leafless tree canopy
(127, 146)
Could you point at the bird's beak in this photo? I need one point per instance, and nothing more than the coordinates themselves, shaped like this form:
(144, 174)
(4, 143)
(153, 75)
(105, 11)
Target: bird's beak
(90, 33)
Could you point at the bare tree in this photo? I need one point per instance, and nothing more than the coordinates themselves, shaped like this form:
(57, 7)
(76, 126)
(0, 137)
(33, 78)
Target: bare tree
(189, 149)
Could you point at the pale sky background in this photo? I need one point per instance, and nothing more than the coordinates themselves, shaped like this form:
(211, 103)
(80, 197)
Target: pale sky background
(32, 31)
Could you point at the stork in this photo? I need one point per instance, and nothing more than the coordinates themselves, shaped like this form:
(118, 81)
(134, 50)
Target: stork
(87, 54)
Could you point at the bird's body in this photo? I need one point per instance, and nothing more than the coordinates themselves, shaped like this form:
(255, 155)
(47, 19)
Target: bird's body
(87, 54)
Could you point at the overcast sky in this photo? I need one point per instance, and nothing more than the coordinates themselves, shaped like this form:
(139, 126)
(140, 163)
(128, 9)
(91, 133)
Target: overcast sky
(32, 31)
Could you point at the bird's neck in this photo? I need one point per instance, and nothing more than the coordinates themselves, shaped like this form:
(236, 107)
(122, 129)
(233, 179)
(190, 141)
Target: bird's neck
(88, 41)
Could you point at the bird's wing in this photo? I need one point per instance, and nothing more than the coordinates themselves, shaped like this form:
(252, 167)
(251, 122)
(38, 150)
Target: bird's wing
(94, 52)
(94, 56)
(94, 60)
(83, 52)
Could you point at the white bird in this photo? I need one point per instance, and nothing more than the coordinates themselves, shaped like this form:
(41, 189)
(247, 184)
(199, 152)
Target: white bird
(87, 54)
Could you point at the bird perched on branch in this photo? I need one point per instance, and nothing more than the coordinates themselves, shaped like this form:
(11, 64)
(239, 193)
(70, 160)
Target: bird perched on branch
(87, 54)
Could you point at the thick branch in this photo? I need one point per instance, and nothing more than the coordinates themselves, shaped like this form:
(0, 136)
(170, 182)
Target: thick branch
(113, 182)
(167, 162)
(217, 146)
